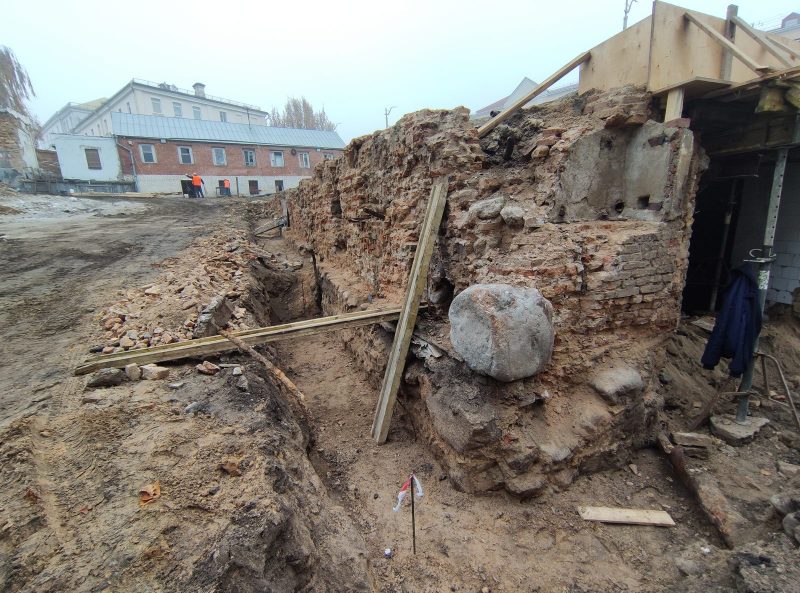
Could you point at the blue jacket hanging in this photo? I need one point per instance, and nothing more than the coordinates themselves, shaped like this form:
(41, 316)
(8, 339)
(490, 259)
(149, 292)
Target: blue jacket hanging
(738, 324)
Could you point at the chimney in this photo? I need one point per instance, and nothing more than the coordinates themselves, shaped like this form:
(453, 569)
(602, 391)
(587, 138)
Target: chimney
(199, 89)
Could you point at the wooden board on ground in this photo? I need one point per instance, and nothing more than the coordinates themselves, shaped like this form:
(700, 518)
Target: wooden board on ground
(704, 323)
(216, 344)
(408, 317)
(627, 516)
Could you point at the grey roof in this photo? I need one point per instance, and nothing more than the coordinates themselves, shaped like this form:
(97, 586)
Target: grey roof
(179, 128)
(523, 88)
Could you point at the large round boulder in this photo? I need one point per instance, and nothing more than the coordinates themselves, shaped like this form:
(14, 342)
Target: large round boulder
(502, 331)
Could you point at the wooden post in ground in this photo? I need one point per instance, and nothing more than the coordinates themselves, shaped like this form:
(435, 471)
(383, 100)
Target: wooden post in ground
(408, 315)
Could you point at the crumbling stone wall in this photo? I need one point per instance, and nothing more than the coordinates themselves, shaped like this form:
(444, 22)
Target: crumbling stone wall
(586, 200)
(10, 149)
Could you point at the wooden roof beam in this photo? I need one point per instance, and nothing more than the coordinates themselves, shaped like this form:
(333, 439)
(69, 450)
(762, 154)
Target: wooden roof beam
(777, 41)
(725, 43)
(550, 81)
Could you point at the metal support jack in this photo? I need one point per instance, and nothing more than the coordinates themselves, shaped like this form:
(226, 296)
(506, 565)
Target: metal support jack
(764, 267)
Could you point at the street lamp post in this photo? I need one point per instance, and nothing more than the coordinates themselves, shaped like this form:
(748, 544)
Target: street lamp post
(386, 112)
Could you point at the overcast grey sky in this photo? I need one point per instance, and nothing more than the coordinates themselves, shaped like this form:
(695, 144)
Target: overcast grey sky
(354, 57)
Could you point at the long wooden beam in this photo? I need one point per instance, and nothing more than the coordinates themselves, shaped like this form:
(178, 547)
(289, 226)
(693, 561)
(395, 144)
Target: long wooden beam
(726, 43)
(251, 337)
(761, 40)
(405, 325)
(777, 41)
(755, 83)
(550, 81)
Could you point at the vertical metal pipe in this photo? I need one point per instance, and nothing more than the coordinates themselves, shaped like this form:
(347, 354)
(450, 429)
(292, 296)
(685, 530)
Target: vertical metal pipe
(764, 267)
(736, 186)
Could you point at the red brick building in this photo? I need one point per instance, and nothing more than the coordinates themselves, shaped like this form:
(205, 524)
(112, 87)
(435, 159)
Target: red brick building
(160, 152)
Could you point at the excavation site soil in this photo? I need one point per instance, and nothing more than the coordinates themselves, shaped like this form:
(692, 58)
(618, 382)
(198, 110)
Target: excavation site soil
(210, 475)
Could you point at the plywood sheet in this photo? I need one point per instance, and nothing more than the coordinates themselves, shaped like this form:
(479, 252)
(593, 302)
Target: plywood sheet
(740, 72)
(622, 59)
(681, 51)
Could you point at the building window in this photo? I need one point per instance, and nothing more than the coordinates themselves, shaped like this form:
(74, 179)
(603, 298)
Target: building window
(327, 156)
(156, 103)
(253, 184)
(128, 105)
(249, 157)
(279, 185)
(148, 152)
(197, 113)
(92, 158)
(185, 155)
(219, 156)
(223, 116)
(276, 158)
(305, 162)
(177, 108)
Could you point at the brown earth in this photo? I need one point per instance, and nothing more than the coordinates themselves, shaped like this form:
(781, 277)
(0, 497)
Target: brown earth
(256, 497)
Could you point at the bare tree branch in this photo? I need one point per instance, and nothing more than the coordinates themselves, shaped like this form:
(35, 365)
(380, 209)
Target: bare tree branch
(299, 113)
(15, 86)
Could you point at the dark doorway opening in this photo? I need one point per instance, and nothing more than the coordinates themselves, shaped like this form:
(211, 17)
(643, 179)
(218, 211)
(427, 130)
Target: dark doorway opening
(718, 207)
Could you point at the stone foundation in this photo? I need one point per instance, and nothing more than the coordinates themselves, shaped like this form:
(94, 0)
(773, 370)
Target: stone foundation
(586, 200)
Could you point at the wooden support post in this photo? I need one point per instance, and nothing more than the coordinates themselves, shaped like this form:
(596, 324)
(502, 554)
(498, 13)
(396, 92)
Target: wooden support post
(408, 317)
(550, 81)
(725, 43)
(762, 40)
(674, 104)
(730, 33)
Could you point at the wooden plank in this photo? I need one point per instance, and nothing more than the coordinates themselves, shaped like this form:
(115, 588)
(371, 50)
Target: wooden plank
(779, 41)
(405, 325)
(217, 344)
(628, 516)
(278, 222)
(550, 81)
(620, 60)
(674, 104)
(695, 87)
(755, 83)
(761, 40)
(726, 44)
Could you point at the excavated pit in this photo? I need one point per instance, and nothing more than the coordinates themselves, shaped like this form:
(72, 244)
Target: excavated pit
(588, 200)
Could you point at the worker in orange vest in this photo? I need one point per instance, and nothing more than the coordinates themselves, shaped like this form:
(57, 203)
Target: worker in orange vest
(227, 187)
(197, 185)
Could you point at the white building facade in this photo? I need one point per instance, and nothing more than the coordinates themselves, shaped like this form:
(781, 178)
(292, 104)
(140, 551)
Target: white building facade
(88, 158)
(65, 120)
(140, 97)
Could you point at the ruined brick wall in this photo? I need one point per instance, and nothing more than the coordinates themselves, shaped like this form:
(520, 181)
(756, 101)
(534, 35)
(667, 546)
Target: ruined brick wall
(48, 163)
(10, 150)
(585, 199)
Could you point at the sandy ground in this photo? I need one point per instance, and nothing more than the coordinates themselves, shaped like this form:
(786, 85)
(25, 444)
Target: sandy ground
(62, 258)
(74, 460)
